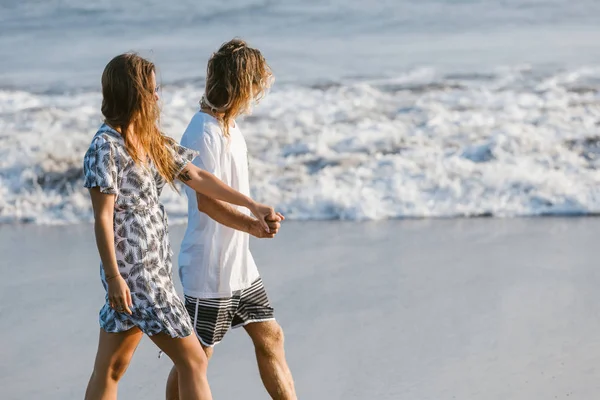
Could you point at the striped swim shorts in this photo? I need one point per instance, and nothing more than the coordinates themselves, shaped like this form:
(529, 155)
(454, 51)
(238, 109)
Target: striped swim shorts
(212, 318)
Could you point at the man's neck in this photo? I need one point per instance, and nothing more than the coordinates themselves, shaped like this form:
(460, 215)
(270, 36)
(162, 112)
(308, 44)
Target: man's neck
(208, 111)
(215, 115)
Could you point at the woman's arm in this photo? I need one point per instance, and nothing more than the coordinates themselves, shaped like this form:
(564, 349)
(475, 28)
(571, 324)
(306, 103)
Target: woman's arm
(228, 215)
(209, 185)
(118, 292)
(104, 205)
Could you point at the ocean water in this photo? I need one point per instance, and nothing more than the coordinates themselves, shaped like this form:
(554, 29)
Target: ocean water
(390, 109)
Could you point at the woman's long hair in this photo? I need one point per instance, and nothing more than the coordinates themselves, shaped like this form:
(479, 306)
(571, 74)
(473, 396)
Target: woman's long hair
(129, 104)
(236, 76)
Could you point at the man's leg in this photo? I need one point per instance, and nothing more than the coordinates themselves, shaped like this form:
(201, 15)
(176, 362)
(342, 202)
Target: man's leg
(268, 344)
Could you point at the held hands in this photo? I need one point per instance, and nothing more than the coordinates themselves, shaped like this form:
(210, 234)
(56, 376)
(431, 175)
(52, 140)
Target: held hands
(274, 224)
(267, 219)
(262, 213)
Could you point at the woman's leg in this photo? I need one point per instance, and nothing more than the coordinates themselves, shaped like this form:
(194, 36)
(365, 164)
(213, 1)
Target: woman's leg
(173, 379)
(112, 359)
(191, 363)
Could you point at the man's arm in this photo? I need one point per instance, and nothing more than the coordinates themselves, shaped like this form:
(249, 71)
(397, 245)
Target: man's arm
(226, 215)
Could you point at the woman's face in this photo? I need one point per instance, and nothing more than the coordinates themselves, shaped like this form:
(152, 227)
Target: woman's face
(156, 88)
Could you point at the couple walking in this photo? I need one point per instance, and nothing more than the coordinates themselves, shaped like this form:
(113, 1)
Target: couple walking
(126, 167)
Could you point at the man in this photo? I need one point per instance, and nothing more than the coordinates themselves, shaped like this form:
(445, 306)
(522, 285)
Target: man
(220, 279)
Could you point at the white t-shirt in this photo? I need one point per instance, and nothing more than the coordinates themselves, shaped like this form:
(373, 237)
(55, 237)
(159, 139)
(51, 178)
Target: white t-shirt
(215, 260)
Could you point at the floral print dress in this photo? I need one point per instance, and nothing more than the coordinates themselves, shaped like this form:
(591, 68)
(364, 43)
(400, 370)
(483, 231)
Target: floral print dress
(141, 236)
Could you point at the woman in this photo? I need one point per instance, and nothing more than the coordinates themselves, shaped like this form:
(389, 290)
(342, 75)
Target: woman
(126, 167)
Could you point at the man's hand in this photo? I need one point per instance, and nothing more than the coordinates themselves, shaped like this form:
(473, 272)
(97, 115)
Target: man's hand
(258, 231)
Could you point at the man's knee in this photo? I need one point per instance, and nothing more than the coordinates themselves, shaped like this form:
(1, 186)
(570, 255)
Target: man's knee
(271, 341)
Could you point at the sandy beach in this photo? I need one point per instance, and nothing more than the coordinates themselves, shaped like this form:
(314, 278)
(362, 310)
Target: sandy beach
(426, 309)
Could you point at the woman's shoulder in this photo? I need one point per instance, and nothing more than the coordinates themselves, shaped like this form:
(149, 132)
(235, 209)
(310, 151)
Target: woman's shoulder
(106, 137)
(106, 144)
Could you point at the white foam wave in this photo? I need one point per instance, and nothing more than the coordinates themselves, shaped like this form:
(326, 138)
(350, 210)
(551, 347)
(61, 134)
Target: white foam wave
(514, 142)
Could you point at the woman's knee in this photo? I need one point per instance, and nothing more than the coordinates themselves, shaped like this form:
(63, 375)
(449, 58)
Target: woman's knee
(195, 362)
(118, 367)
(115, 351)
(112, 369)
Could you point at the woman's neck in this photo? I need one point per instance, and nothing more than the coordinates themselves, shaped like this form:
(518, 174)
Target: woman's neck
(133, 139)
(130, 133)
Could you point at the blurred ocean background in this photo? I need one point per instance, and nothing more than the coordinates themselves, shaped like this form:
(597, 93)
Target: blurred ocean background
(380, 110)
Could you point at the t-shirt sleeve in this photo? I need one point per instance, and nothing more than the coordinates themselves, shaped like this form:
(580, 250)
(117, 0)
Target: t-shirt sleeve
(209, 152)
(100, 166)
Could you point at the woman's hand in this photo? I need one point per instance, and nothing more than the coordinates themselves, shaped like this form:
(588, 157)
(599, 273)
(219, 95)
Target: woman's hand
(119, 295)
(263, 213)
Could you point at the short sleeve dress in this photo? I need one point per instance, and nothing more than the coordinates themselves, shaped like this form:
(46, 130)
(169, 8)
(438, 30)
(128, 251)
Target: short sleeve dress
(141, 235)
